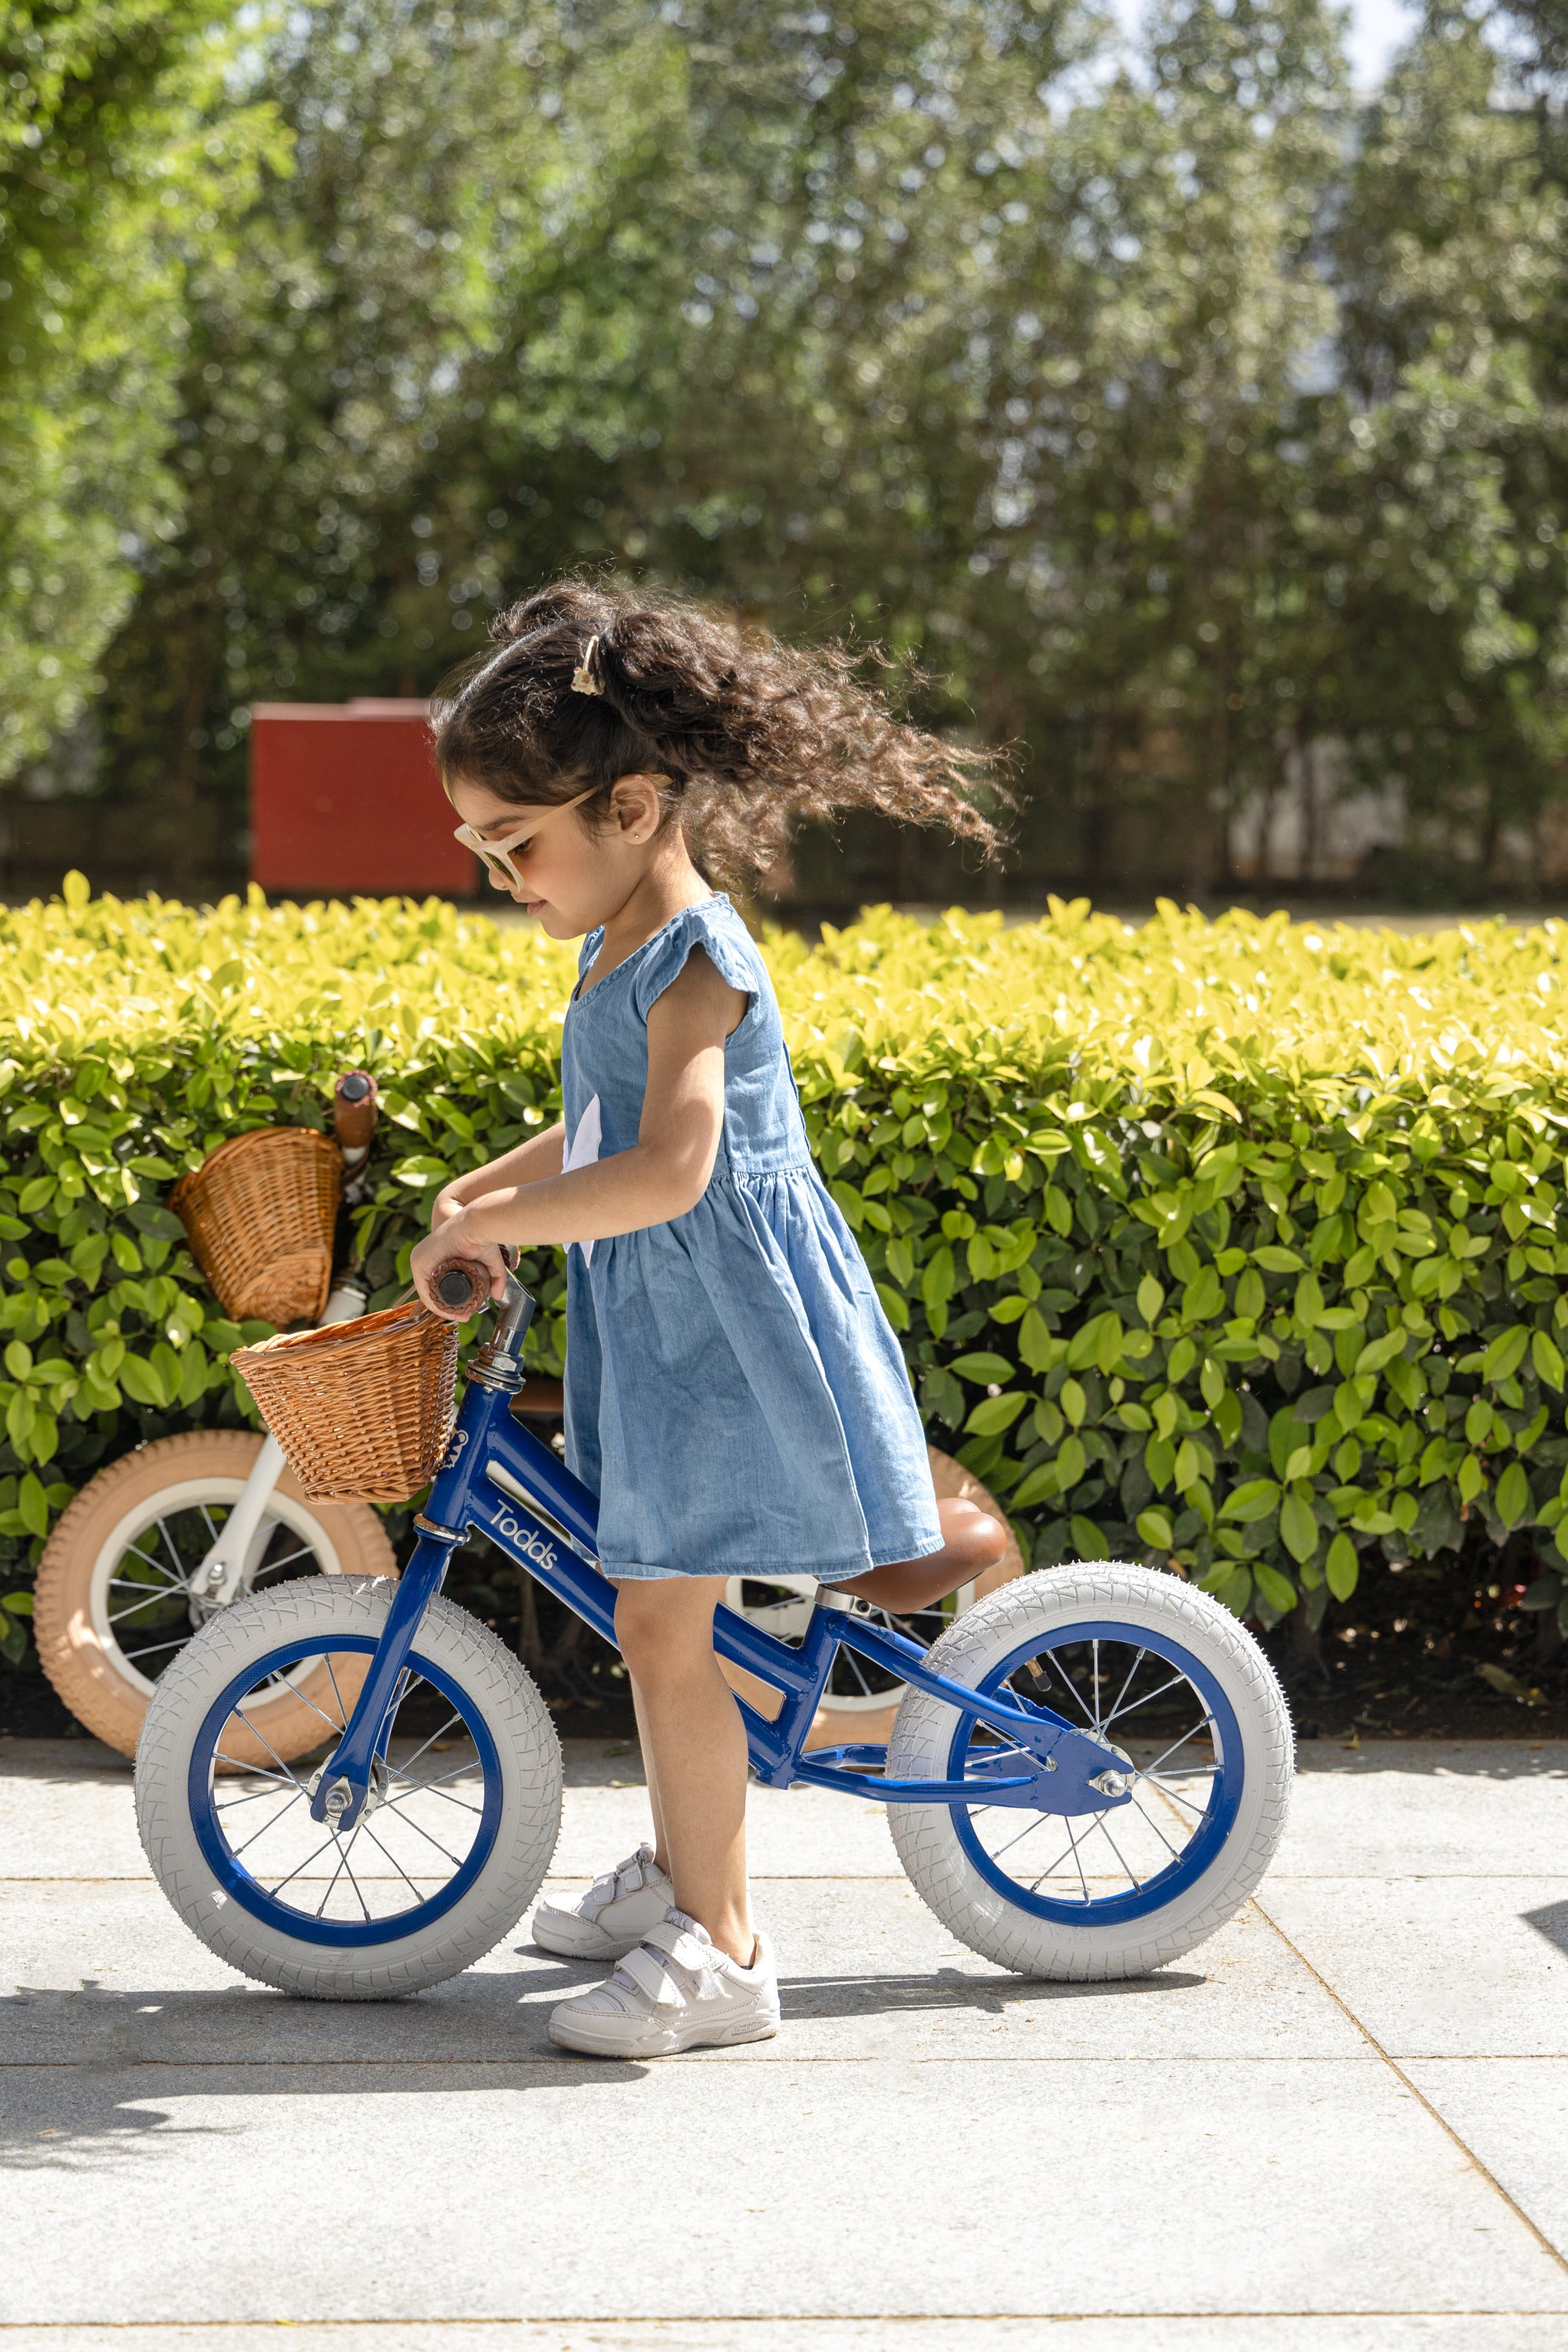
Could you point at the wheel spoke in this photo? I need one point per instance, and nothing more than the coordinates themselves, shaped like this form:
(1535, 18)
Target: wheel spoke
(152, 1591)
(153, 1648)
(299, 1866)
(266, 1743)
(1148, 1696)
(237, 1850)
(430, 1741)
(148, 1600)
(419, 1788)
(1157, 1828)
(149, 1559)
(1121, 1694)
(340, 1727)
(409, 1823)
(1175, 1745)
(170, 1548)
(396, 1864)
(342, 1866)
(337, 1694)
(1131, 1875)
(1066, 1680)
(465, 1766)
(306, 1551)
(258, 1772)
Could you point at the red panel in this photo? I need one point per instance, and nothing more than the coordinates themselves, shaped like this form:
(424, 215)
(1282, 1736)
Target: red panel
(344, 797)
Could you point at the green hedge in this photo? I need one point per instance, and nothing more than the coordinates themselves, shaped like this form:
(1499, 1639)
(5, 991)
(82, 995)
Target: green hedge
(1233, 1246)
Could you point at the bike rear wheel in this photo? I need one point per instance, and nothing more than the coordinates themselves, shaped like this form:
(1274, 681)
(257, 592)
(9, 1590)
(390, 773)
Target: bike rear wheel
(1165, 1675)
(445, 1858)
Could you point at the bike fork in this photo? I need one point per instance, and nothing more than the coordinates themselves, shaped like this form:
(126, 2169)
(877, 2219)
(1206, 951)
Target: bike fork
(216, 1580)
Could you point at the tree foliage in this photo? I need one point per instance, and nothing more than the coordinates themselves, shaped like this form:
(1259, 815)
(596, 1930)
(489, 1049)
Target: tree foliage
(126, 145)
(1172, 408)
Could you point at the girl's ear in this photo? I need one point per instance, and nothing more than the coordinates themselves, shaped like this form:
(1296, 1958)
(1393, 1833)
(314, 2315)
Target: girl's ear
(636, 807)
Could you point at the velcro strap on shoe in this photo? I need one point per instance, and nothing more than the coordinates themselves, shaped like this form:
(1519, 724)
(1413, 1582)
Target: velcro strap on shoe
(652, 1976)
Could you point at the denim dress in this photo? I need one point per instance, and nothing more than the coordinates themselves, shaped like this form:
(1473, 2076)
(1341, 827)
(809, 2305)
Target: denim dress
(734, 1393)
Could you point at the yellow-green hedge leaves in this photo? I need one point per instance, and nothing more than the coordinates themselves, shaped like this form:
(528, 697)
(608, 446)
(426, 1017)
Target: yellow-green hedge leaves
(1237, 1246)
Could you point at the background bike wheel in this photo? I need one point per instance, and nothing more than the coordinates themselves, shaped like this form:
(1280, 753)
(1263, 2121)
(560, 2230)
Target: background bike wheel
(113, 1608)
(467, 1814)
(860, 1701)
(1167, 1676)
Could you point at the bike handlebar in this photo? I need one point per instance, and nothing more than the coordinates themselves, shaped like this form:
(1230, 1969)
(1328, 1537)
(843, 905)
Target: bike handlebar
(355, 1110)
(462, 1286)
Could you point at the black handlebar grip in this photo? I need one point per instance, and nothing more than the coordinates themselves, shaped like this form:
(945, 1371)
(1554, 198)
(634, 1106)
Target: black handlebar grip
(462, 1286)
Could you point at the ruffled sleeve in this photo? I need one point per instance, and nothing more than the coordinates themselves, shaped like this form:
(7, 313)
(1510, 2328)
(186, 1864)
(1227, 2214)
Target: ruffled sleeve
(712, 926)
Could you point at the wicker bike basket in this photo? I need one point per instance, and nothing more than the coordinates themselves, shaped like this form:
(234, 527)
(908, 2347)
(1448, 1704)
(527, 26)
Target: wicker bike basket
(362, 1410)
(259, 1213)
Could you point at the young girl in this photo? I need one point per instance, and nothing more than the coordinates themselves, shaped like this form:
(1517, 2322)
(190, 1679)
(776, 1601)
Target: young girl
(734, 1393)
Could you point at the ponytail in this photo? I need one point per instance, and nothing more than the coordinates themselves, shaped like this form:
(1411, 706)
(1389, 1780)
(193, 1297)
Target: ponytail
(749, 735)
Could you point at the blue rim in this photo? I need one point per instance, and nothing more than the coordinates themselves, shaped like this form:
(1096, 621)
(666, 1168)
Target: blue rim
(235, 1880)
(1207, 1840)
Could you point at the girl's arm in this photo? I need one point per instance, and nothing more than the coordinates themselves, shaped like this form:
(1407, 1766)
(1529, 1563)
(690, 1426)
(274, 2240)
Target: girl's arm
(541, 1156)
(665, 1173)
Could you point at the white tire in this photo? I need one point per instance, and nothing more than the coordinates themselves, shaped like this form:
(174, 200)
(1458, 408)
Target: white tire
(1219, 1853)
(520, 1791)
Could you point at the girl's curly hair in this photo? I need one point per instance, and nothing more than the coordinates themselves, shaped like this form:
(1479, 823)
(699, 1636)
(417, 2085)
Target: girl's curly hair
(591, 683)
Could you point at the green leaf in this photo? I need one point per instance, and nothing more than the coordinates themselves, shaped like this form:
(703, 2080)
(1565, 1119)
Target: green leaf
(1277, 1590)
(1298, 1527)
(982, 1365)
(148, 1218)
(1506, 1353)
(1547, 1360)
(1070, 1463)
(1253, 1500)
(1342, 1568)
(1155, 1527)
(1513, 1497)
(1041, 1486)
(1087, 1540)
(1378, 1352)
(1036, 1344)
(1275, 1260)
(994, 1412)
(140, 1380)
(1151, 1298)
(33, 1505)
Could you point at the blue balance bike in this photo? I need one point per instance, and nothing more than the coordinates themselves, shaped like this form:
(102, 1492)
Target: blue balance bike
(1087, 1774)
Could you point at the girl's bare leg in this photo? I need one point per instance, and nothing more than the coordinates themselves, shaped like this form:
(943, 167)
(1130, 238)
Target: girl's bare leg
(694, 1749)
(645, 1742)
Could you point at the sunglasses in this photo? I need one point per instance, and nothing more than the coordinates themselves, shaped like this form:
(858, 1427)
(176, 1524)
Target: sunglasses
(495, 855)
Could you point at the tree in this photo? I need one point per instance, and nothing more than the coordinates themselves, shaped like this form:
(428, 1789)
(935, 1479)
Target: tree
(115, 167)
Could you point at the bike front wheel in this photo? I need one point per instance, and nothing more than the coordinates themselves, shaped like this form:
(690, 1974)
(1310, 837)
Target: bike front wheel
(1167, 1677)
(449, 1851)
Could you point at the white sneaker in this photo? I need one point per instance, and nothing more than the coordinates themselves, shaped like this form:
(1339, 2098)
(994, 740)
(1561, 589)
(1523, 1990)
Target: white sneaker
(613, 1916)
(675, 1991)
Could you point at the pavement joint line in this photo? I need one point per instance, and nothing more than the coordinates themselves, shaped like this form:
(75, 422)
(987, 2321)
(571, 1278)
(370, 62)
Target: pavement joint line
(1395, 2068)
(127, 2064)
(793, 2318)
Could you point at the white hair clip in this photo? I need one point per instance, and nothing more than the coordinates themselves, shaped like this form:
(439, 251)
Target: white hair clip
(585, 678)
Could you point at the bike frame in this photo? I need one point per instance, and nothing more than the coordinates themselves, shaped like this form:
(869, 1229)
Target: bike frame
(498, 1480)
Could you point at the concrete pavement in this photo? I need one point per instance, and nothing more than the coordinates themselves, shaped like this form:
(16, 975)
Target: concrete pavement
(1341, 2123)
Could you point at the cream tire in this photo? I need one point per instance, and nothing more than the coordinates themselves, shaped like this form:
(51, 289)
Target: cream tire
(78, 1601)
(1256, 1761)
